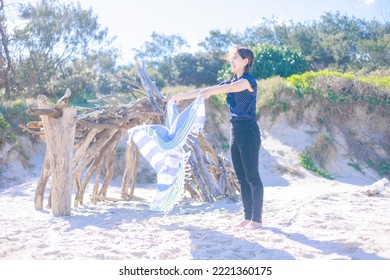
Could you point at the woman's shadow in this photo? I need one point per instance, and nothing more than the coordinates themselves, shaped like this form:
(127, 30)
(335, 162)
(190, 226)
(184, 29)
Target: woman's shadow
(214, 245)
(329, 247)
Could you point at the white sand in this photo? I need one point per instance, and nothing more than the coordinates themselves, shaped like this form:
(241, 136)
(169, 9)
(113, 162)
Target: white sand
(305, 217)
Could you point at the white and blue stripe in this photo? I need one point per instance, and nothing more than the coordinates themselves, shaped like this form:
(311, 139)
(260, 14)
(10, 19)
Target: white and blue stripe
(162, 146)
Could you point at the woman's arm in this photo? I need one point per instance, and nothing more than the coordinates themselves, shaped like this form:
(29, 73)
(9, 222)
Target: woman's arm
(237, 86)
(186, 95)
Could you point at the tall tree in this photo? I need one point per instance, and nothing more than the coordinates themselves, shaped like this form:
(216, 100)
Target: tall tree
(5, 57)
(197, 69)
(219, 42)
(262, 33)
(162, 47)
(160, 51)
(54, 35)
(306, 39)
(341, 35)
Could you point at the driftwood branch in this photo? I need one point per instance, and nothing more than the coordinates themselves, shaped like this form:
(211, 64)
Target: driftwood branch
(56, 113)
(60, 133)
(98, 131)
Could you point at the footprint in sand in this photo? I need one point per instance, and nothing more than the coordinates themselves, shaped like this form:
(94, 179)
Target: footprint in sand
(43, 246)
(51, 253)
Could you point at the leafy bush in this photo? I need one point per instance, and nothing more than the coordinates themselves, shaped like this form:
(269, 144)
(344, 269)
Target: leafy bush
(15, 113)
(271, 61)
(343, 87)
(225, 73)
(273, 93)
(7, 134)
(218, 101)
(305, 83)
(380, 81)
(308, 163)
(4, 126)
(382, 166)
(356, 166)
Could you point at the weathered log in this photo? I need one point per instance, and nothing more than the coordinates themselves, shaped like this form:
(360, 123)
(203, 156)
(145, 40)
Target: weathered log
(63, 101)
(40, 190)
(130, 174)
(110, 158)
(31, 131)
(83, 148)
(97, 134)
(88, 175)
(85, 157)
(154, 95)
(97, 180)
(50, 112)
(35, 124)
(60, 133)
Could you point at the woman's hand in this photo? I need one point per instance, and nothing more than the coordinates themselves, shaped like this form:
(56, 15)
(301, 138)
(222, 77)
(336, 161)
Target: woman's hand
(175, 98)
(187, 95)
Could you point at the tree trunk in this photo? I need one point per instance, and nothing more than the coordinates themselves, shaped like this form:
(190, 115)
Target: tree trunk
(60, 135)
(40, 191)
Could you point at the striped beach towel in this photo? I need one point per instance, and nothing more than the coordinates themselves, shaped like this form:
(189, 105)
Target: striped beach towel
(163, 147)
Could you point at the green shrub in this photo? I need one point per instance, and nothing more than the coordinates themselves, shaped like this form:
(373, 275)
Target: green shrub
(218, 101)
(382, 166)
(225, 73)
(224, 143)
(273, 95)
(271, 60)
(308, 163)
(305, 83)
(343, 88)
(6, 134)
(4, 126)
(356, 166)
(381, 81)
(15, 113)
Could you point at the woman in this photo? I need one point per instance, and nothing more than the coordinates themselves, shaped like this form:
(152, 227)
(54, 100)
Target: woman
(245, 134)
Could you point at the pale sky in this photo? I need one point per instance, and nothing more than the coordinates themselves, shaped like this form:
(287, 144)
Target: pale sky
(133, 21)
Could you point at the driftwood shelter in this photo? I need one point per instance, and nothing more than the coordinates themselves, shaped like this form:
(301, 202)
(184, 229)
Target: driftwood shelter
(82, 142)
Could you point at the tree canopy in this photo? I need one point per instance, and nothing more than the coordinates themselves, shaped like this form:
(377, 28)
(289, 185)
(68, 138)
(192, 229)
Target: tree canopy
(63, 45)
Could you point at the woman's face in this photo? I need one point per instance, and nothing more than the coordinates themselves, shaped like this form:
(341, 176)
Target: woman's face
(238, 63)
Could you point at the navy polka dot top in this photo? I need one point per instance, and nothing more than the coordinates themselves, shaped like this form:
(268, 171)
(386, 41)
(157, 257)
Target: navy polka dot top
(242, 104)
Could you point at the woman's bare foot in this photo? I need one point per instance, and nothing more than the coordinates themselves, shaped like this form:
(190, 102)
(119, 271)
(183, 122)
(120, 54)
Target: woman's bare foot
(243, 223)
(253, 225)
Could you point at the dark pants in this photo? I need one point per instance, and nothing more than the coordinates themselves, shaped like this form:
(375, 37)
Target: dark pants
(245, 144)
